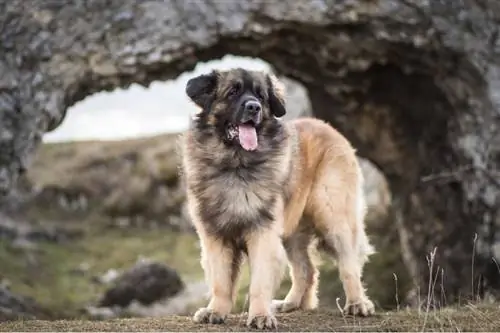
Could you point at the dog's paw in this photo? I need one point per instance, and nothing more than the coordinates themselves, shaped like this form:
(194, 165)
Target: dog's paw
(262, 322)
(208, 316)
(363, 308)
(283, 306)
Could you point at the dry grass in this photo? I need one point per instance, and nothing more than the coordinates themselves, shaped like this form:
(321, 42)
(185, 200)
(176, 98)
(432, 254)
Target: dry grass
(128, 178)
(59, 163)
(463, 319)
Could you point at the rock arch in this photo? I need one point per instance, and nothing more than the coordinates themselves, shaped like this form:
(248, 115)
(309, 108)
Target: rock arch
(412, 84)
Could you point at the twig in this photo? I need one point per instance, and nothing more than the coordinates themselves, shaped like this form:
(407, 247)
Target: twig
(454, 174)
(473, 256)
(433, 287)
(496, 263)
(397, 291)
(443, 293)
(430, 263)
(419, 301)
(337, 300)
(446, 174)
(478, 297)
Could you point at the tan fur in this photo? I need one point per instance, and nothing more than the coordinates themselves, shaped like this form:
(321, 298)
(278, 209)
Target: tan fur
(327, 199)
(322, 199)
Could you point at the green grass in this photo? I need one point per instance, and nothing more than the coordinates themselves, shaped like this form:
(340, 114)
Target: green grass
(51, 274)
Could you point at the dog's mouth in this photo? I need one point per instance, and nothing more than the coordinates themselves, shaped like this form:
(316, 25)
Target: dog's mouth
(246, 134)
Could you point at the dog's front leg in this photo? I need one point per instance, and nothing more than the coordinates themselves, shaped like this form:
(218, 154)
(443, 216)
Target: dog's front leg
(267, 259)
(218, 261)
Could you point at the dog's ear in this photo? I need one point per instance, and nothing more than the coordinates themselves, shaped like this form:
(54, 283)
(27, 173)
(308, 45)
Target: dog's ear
(276, 92)
(200, 89)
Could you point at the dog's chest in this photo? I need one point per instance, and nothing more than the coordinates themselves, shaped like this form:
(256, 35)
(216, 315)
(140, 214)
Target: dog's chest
(242, 196)
(236, 198)
(240, 201)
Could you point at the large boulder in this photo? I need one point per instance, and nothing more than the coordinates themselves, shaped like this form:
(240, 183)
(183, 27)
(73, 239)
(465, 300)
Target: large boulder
(413, 84)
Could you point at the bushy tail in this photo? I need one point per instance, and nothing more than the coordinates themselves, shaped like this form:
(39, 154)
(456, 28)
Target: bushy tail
(365, 248)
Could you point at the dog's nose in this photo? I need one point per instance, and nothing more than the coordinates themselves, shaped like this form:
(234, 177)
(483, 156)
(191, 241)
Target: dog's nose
(252, 107)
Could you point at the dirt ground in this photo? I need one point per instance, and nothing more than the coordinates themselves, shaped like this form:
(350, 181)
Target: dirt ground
(466, 318)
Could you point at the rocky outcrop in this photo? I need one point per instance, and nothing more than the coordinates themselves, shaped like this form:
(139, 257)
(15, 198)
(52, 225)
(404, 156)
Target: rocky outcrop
(15, 307)
(24, 233)
(413, 84)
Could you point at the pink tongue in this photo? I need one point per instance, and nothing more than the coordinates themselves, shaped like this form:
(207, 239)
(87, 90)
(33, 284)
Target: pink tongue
(248, 137)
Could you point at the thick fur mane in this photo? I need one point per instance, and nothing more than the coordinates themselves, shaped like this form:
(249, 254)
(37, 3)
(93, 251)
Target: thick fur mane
(252, 180)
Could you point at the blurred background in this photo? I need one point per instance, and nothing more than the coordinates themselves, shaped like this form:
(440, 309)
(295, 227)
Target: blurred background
(92, 98)
(164, 107)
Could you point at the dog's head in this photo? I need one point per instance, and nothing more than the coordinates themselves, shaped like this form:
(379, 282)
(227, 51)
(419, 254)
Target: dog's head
(238, 103)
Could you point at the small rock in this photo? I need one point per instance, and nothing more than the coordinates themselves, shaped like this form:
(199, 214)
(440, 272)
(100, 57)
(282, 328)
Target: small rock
(109, 276)
(84, 266)
(191, 297)
(123, 222)
(81, 269)
(100, 312)
(146, 282)
(24, 244)
(184, 303)
(5, 283)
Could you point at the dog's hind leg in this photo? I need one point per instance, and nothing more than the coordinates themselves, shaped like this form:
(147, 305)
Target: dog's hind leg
(340, 221)
(350, 270)
(304, 275)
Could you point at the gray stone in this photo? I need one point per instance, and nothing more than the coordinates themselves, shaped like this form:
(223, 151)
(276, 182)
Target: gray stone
(297, 99)
(146, 283)
(15, 307)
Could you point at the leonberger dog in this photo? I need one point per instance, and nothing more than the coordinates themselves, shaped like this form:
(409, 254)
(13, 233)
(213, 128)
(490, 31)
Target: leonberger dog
(266, 189)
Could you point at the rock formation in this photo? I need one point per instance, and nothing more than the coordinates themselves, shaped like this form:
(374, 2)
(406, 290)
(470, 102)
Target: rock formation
(413, 84)
(14, 307)
(146, 282)
(149, 288)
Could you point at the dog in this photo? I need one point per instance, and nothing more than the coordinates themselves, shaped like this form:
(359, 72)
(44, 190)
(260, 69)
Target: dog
(261, 188)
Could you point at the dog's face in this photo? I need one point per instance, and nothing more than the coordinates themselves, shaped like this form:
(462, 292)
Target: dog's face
(238, 103)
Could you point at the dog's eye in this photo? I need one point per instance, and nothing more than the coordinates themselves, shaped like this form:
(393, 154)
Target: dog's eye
(235, 89)
(260, 95)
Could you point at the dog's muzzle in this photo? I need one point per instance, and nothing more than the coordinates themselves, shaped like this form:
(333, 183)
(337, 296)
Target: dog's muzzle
(251, 111)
